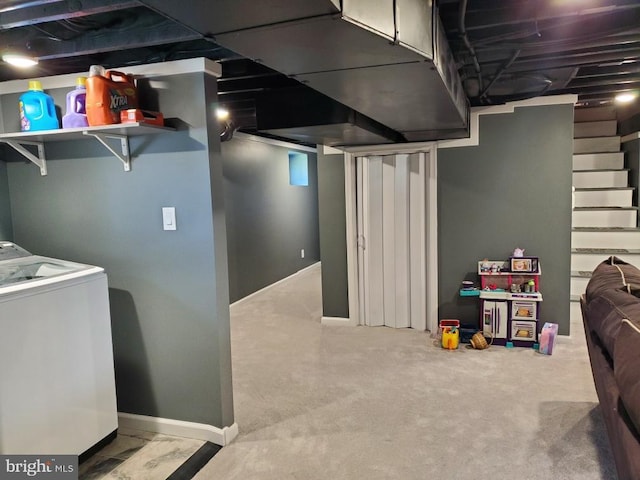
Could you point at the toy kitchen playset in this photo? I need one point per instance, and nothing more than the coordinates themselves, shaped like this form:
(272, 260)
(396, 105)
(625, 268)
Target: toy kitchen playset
(509, 296)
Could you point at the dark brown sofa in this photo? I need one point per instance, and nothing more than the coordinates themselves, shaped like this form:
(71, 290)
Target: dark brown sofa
(611, 315)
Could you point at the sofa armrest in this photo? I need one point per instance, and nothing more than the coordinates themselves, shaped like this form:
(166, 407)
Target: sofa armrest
(623, 437)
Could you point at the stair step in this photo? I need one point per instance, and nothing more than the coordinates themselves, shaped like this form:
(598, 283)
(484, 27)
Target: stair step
(581, 273)
(602, 128)
(598, 161)
(605, 189)
(594, 114)
(606, 251)
(601, 178)
(579, 285)
(596, 145)
(605, 217)
(575, 311)
(590, 258)
(604, 197)
(603, 237)
(606, 229)
(603, 208)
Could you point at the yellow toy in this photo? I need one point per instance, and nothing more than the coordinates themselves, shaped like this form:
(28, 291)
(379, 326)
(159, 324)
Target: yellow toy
(450, 333)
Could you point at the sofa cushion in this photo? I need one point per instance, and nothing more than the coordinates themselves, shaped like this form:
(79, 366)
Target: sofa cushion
(627, 367)
(613, 273)
(605, 313)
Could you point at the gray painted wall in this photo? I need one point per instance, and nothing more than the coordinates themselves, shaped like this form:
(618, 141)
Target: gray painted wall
(168, 289)
(268, 221)
(628, 119)
(632, 162)
(6, 227)
(333, 242)
(512, 190)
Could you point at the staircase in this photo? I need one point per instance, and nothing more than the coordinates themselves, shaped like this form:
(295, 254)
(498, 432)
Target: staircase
(605, 221)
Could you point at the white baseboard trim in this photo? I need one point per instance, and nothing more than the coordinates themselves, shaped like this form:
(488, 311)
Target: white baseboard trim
(178, 428)
(338, 322)
(258, 292)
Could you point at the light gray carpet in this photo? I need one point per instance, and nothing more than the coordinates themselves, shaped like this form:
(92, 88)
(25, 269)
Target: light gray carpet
(317, 402)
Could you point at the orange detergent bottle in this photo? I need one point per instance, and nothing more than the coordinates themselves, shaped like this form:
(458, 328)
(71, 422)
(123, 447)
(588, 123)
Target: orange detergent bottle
(108, 93)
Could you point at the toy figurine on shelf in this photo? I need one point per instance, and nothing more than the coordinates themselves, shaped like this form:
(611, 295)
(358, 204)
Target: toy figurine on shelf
(518, 252)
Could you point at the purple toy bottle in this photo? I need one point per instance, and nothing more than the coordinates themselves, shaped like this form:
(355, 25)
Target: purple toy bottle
(76, 115)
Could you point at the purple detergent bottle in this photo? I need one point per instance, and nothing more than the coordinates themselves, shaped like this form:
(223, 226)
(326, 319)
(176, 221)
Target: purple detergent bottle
(76, 115)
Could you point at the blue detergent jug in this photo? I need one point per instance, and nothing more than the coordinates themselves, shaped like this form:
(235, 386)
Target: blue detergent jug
(37, 110)
(76, 115)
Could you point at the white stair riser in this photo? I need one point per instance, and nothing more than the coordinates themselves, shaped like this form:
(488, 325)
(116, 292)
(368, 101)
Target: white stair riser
(589, 261)
(594, 114)
(591, 161)
(619, 239)
(578, 285)
(604, 179)
(596, 145)
(575, 313)
(605, 218)
(606, 128)
(604, 198)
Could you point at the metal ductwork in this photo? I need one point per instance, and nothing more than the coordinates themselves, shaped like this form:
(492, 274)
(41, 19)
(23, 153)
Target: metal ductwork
(387, 60)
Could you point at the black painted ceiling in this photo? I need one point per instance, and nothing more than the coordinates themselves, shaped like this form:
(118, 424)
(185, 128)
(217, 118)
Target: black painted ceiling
(505, 50)
(545, 47)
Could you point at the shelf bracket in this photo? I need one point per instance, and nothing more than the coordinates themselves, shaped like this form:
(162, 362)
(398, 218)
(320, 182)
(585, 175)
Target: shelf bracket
(39, 160)
(124, 157)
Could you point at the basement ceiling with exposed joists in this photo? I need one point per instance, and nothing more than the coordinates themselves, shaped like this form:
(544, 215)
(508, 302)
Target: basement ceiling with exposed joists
(353, 71)
(520, 49)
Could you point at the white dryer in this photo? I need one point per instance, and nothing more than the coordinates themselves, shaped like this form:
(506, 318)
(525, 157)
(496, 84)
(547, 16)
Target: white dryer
(57, 384)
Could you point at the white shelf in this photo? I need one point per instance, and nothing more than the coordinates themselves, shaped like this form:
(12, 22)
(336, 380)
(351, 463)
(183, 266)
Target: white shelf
(104, 133)
(128, 129)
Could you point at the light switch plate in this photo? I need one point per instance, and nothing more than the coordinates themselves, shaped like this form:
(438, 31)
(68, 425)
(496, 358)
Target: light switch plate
(169, 218)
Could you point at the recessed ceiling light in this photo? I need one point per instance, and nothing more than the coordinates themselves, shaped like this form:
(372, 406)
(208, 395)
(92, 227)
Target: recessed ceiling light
(20, 61)
(626, 97)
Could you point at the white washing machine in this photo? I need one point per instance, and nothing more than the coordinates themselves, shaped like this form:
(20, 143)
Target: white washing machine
(57, 384)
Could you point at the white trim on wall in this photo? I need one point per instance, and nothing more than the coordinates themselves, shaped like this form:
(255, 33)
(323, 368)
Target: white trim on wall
(432, 241)
(474, 127)
(390, 149)
(178, 428)
(277, 143)
(331, 150)
(352, 237)
(474, 133)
